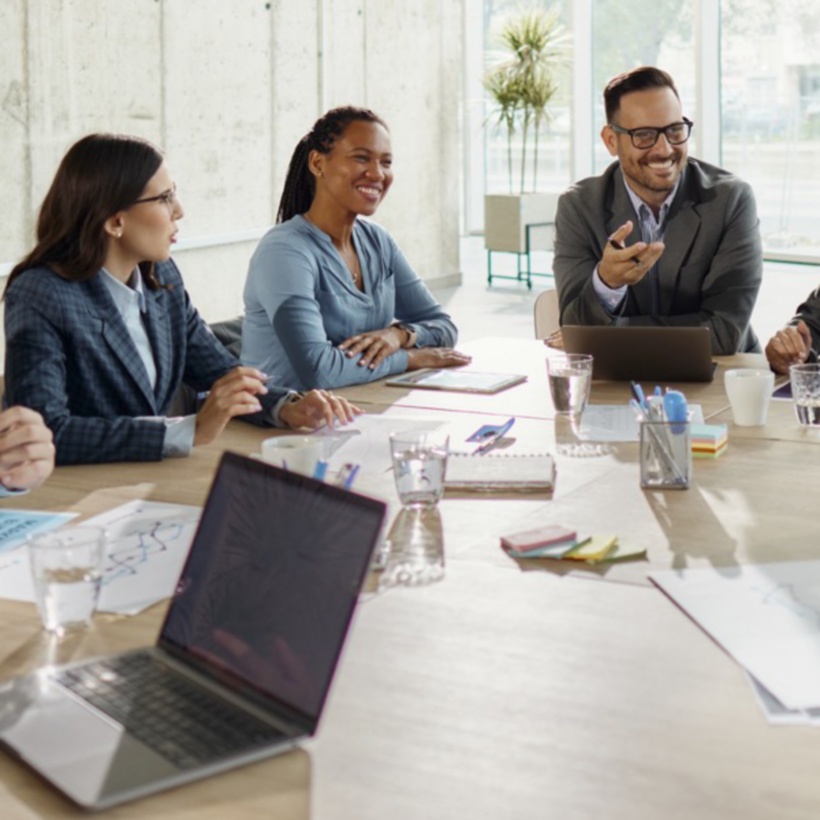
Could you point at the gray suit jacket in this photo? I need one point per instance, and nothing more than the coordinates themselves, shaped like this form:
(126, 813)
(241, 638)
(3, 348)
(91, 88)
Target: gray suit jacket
(70, 356)
(710, 270)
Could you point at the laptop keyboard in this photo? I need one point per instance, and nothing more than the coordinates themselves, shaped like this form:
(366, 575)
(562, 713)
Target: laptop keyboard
(183, 722)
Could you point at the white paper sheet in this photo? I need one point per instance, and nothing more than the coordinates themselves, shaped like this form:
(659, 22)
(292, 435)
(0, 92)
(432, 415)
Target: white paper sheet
(766, 616)
(618, 422)
(148, 542)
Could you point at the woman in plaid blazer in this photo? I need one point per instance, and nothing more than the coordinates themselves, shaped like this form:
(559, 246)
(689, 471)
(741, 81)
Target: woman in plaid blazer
(100, 332)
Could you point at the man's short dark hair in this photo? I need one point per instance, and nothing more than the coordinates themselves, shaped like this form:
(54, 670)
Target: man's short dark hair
(638, 79)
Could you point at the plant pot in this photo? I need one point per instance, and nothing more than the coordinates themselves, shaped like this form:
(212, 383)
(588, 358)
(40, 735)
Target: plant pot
(506, 217)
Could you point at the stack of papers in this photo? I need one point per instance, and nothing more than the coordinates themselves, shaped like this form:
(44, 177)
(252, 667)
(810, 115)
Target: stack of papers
(709, 440)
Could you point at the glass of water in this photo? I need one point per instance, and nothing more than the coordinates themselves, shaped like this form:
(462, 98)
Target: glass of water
(805, 379)
(419, 465)
(570, 379)
(66, 567)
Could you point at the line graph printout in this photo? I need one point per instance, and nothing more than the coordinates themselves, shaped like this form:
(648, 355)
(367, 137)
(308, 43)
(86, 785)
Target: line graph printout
(148, 542)
(766, 616)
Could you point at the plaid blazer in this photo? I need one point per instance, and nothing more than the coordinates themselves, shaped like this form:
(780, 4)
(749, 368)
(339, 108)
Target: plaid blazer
(70, 357)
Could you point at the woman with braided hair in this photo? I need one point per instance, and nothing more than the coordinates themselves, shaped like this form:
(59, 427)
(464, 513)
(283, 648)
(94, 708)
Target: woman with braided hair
(330, 300)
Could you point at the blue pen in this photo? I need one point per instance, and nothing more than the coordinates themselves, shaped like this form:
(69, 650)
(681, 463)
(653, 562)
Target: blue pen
(351, 477)
(637, 391)
(676, 410)
(494, 437)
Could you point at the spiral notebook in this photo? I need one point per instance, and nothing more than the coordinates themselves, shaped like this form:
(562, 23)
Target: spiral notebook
(498, 472)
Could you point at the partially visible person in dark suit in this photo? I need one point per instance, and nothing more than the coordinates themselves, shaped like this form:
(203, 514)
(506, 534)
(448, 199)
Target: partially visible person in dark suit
(26, 451)
(659, 238)
(100, 332)
(799, 341)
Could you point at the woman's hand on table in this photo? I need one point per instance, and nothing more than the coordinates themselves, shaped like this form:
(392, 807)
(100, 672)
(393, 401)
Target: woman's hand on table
(789, 346)
(374, 346)
(318, 408)
(422, 357)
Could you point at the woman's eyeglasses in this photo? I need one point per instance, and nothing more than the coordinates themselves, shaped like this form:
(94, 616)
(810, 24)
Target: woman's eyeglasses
(167, 198)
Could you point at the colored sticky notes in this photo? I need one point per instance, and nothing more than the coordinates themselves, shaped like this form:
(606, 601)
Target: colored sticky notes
(709, 440)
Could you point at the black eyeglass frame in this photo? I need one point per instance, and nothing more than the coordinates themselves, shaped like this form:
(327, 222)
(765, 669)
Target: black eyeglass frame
(167, 198)
(658, 131)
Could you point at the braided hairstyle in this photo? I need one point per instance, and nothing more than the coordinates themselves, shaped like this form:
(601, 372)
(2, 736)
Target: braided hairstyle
(300, 186)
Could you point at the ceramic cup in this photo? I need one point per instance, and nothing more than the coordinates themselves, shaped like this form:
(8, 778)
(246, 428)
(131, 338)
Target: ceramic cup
(296, 453)
(749, 392)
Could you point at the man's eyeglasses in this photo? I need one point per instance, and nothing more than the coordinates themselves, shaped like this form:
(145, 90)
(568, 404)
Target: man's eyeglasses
(676, 134)
(167, 198)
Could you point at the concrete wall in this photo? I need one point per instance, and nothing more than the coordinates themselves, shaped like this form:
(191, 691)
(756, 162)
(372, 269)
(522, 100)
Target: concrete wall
(226, 89)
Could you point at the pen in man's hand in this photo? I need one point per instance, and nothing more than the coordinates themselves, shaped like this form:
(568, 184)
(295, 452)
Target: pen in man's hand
(619, 247)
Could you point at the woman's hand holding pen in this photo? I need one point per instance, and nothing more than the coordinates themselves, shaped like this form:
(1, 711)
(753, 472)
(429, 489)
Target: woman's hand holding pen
(621, 265)
(232, 395)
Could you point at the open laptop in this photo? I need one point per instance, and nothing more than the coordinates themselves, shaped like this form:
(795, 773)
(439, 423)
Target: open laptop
(668, 354)
(243, 662)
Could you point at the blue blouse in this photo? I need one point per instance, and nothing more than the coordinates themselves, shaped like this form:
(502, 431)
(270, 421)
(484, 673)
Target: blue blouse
(301, 303)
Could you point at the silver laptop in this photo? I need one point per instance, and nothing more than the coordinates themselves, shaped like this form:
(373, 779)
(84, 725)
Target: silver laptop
(244, 659)
(663, 354)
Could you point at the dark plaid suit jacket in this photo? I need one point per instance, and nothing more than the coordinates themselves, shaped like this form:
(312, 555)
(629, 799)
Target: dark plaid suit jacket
(70, 357)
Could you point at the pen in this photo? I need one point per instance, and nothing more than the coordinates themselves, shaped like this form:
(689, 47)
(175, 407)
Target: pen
(494, 438)
(637, 392)
(320, 470)
(346, 476)
(619, 247)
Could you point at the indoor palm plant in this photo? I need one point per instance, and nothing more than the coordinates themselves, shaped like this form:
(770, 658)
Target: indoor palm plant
(521, 83)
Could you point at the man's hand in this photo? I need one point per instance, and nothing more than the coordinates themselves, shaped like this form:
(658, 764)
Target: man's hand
(317, 408)
(789, 346)
(625, 266)
(26, 449)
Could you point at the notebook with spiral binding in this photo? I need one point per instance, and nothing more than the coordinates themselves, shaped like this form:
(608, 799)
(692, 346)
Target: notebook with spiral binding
(499, 472)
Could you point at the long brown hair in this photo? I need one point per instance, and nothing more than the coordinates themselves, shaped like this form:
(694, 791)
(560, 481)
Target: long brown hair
(300, 186)
(99, 176)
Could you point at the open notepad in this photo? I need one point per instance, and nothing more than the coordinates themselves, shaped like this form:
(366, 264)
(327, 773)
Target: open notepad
(499, 472)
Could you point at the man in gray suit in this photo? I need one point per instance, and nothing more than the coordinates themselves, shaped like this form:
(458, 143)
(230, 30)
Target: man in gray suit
(658, 238)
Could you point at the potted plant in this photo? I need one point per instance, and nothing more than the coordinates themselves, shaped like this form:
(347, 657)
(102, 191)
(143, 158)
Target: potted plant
(521, 84)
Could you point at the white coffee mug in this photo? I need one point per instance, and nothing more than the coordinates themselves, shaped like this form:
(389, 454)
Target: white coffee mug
(749, 392)
(296, 453)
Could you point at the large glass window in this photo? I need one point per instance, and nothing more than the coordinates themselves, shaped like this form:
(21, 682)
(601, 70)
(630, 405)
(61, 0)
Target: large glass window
(770, 88)
(641, 32)
(752, 87)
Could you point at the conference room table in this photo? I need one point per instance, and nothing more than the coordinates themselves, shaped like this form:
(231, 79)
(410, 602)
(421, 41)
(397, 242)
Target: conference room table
(509, 689)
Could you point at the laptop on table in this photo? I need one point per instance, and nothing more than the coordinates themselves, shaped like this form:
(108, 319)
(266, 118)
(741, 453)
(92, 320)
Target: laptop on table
(652, 354)
(244, 660)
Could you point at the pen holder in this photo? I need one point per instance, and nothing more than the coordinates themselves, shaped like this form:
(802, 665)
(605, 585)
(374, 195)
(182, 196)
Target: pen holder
(666, 455)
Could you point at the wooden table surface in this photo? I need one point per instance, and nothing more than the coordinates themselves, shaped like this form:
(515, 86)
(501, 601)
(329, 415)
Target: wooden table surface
(508, 689)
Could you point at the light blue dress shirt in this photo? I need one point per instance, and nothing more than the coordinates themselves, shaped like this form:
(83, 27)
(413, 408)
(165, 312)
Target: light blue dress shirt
(301, 303)
(652, 230)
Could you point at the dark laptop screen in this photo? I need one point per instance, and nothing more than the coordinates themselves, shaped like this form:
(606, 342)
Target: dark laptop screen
(272, 579)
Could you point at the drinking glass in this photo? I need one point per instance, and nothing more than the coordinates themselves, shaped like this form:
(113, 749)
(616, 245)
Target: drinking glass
(66, 568)
(570, 379)
(419, 465)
